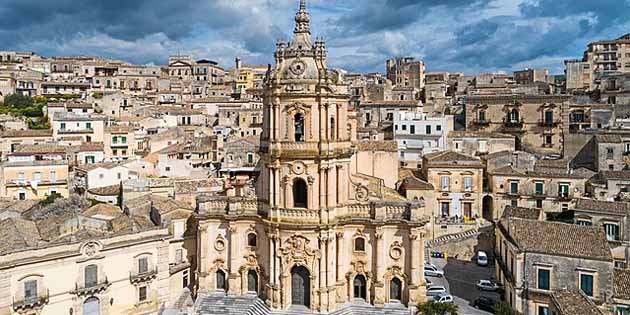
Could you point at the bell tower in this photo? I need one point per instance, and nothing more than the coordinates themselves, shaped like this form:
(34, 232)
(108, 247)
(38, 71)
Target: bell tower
(305, 146)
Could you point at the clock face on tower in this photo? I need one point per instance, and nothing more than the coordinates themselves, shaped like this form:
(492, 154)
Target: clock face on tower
(298, 67)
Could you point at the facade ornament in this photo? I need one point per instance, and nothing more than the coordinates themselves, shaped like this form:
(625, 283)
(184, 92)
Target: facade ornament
(396, 250)
(298, 168)
(219, 243)
(361, 193)
(91, 248)
(310, 179)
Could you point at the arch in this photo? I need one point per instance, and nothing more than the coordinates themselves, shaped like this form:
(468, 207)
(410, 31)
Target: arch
(395, 289)
(300, 286)
(481, 115)
(298, 124)
(252, 239)
(300, 193)
(360, 287)
(252, 281)
(221, 283)
(92, 306)
(333, 128)
(359, 244)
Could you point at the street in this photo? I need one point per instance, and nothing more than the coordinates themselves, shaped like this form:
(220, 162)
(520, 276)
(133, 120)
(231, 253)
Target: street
(459, 280)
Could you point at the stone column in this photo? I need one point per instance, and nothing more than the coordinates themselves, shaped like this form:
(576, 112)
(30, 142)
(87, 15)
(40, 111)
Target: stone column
(378, 275)
(276, 185)
(332, 187)
(233, 277)
(202, 255)
(331, 257)
(322, 187)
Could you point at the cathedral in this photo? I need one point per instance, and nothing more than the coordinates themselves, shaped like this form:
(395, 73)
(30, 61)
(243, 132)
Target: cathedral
(315, 233)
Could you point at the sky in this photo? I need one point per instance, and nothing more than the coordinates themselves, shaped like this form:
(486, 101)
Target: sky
(470, 36)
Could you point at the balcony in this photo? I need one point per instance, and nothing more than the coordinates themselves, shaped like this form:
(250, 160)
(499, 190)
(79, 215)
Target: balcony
(119, 144)
(24, 305)
(548, 123)
(565, 196)
(455, 221)
(146, 276)
(481, 123)
(512, 125)
(86, 289)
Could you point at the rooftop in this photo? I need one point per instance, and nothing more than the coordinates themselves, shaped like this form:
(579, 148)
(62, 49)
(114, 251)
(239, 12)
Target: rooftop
(558, 239)
(574, 302)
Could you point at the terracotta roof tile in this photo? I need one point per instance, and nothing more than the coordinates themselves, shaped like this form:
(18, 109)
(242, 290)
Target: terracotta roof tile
(574, 302)
(553, 238)
(621, 283)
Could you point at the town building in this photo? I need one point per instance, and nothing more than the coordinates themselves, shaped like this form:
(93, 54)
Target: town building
(418, 133)
(536, 259)
(406, 72)
(35, 172)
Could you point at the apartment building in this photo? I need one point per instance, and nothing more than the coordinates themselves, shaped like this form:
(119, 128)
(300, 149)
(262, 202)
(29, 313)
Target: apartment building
(417, 133)
(406, 72)
(536, 259)
(68, 126)
(35, 172)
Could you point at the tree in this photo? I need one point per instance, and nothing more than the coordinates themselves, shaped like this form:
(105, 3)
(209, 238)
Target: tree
(434, 308)
(18, 100)
(503, 308)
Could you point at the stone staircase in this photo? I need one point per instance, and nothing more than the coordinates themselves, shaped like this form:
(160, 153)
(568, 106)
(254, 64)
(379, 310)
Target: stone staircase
(222, 304)
(362, 308)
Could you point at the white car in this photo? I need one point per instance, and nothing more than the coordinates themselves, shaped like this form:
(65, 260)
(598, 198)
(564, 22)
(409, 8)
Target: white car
(432, 271)
(436, 290)
(486, 285)
(482, 258)
(443, 298)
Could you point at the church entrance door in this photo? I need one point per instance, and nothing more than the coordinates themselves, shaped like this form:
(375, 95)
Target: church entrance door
(300, 287)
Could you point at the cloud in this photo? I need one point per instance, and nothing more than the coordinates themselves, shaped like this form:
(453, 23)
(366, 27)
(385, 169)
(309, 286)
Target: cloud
(453, 35)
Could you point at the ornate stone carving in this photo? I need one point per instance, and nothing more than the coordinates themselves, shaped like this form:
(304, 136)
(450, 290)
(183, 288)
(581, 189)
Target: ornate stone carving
(91, 248)
(298, 67)
(396, 250)
(298, 168)
(297, 249)
(219, 244)
(310, 180)
(361, 193)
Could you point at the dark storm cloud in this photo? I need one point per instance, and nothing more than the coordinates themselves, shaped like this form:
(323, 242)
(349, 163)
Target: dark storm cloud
(463, 35)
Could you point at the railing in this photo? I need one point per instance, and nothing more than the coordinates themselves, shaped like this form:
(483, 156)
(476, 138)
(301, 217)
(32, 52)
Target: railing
(548, 123)
(31, 303)
(481, 122)
(84, 289)
(509, 124)
(299, 215)
(565, 196)
(138, 277)
(455, 221)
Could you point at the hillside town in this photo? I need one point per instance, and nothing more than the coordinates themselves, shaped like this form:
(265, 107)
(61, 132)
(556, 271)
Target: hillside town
(296, 188)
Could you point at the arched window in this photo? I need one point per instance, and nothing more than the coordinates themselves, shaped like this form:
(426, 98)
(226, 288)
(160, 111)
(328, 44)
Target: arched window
(332, 128)
(221, 283)
(92, 306)
(514, 116)
(395, 289)
(482, 115)
(90, 276)
(252, 281)
(300, 194)
(360, 290)
(359, 244)
(299, 127)
(251, 239)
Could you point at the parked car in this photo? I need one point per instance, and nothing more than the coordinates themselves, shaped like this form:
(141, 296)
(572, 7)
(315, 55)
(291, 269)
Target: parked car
(443, 298)
(435, 290)
(426, 264)
(487, 285)
(429, 282)
(432, 271)
(484, 303)
(482, 258)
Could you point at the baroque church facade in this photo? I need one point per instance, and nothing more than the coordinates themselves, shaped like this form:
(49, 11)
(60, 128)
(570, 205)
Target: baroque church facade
(313, 233)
